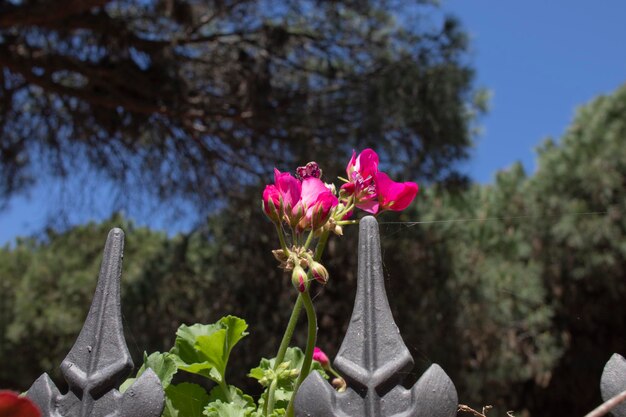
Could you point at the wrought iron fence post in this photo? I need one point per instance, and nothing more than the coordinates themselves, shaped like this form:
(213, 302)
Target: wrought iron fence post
(374, 358)
(99, 360)
(613, 382)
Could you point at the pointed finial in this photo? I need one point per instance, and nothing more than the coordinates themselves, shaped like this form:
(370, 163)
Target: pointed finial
(99, 360)
(373, 357)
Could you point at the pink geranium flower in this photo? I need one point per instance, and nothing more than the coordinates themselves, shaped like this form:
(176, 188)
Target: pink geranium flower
(320, 356)
(307, 203)
(395, 196)
(281, 198)
(361, 172)
(373, 191)
(271, 203)
(317, 201)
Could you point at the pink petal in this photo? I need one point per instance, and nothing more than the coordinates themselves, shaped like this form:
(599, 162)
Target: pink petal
(271, 193)
(290, 188)
(348, 188)
(320, 356)
(393, 195)
(351, 163)
(312, 189)
(367, 164)
(371, 206)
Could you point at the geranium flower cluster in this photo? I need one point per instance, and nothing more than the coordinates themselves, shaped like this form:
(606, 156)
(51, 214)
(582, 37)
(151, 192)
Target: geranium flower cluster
(304, 203)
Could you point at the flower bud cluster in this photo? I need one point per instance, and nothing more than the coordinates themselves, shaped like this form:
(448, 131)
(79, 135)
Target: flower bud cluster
(283, 372)
(302, 265)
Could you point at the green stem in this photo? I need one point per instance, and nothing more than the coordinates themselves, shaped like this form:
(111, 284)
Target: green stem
(310, 346)
(224, 387)
(321, 245)
(332, 371)
(309, 239)
(297, 308)
(291, 327)
(281, 238)
(345, 222)
(269, 403)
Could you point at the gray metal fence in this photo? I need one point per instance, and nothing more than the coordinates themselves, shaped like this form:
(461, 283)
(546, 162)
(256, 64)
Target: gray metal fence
(99, 361)
(373, 358)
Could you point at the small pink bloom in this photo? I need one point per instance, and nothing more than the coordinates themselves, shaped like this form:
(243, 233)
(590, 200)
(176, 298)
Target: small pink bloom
(318, 201)
(271, 203)
(320, 356)
(361, 172)
(365, 164)
(281, 200)
(289, 188)
(395, 196)
(13, 405)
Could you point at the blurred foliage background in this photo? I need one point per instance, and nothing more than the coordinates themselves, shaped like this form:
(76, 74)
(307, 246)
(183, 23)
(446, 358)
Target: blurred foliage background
(194, 103)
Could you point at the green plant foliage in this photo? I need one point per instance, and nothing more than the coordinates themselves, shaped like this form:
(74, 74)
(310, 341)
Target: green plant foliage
(205, 349)
(163, 365)
(285, 375)
(223, 409)
(187, 399)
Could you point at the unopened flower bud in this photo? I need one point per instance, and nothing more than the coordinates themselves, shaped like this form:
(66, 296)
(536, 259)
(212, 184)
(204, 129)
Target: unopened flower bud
(298, 278)
(320, 356)
(296, 214)
(319, 272)
(339, 384)
(311, 169)
(269, 206)
(283, 366)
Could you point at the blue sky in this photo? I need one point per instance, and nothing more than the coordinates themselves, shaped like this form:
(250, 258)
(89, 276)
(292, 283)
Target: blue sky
(541, 60)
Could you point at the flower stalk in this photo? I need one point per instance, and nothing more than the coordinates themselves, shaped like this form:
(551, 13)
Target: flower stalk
(304, 204)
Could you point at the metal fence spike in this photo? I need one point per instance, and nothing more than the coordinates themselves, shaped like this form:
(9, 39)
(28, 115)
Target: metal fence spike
(613, 382)
(99, 360)
(374, 359)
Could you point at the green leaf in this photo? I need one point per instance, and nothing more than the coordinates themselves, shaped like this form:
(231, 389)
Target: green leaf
(259, 372)
(162, 364)
(236, 330)
(204, 349)
(126, 384)
(223, 409)
(169, 410)
(188, 400)
(237, 396)
(186, 337)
